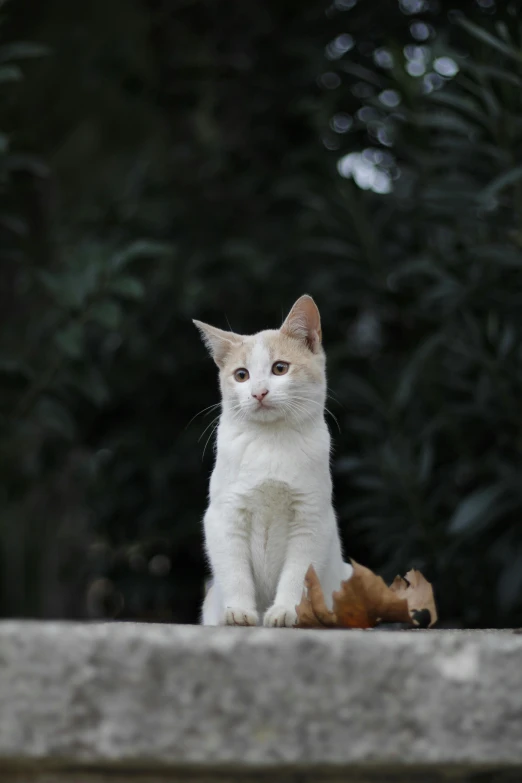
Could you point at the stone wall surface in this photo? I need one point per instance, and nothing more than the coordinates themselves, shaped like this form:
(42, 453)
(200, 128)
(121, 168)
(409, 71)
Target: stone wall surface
(93, 703)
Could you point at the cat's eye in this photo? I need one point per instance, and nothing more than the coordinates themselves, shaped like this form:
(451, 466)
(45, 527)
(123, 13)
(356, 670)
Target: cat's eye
(241, 375)
(280, 368)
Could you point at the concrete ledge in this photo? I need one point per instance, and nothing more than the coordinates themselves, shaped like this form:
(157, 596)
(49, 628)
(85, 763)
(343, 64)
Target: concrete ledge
(118, 702)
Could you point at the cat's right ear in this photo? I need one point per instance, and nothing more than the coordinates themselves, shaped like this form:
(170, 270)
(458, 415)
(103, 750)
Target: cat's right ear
(304, 322)
(218, 342)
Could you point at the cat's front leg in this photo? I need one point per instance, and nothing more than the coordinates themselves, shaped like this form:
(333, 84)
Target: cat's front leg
(227, 543)
(302, 550)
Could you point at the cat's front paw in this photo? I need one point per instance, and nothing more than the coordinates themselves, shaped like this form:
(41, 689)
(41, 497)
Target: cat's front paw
(235, 616)
(280, 617)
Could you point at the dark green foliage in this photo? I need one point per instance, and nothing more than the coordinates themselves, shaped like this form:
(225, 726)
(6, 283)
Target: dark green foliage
(163, 161)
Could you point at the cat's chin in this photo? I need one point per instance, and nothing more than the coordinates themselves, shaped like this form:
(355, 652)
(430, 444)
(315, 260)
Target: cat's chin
(265, 414)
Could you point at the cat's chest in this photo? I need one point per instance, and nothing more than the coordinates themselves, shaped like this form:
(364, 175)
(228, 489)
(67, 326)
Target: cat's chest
(262, 463)
(270, 500)
(269, 510)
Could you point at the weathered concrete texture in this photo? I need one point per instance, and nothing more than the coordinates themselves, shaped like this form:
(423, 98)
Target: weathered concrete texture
(408, 775)
(153, 700)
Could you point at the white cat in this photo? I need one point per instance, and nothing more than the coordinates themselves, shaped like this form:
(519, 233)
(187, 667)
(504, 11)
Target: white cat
(270, 513)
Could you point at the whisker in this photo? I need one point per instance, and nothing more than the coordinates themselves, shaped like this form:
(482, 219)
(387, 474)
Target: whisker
(209, 425)
(208, 440)
(331, 396)
(326, 409)
(334, 418)
(295, 407)
(208, 408)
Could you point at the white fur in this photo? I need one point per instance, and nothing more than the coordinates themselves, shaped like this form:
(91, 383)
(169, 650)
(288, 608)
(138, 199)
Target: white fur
(270, 513)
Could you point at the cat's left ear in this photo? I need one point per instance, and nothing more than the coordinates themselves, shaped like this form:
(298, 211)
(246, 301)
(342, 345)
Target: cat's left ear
(218, 342)
(304, 322)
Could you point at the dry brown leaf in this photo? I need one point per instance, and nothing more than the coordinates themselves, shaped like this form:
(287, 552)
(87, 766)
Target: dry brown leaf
(312, 612)
(418, 592)
(365, 600)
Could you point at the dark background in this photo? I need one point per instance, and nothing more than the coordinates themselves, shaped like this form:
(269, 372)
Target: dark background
(161, 161)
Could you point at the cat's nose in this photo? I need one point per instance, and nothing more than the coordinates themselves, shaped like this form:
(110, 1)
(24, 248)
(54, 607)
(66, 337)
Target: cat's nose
(260, 396)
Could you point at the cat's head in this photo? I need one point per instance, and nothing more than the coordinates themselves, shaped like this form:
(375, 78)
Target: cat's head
(274, 375)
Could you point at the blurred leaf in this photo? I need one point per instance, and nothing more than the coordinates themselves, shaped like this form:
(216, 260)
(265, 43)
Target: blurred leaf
(27, 163)
(68, 290)
(443, 121)
(90, 383)
(128, 287)
(22, 50)
(493, 72)
(70, 340)
(138, 250)
(10, 73)
(414, 369)
(13, 367)
(483, 35)
(508, 178)
(510, 582)
(465, 105)
(106, 313)
(54, 417)
(476, 509)
(348, 464)
(426, 462)
(14, 224)
(356, 389)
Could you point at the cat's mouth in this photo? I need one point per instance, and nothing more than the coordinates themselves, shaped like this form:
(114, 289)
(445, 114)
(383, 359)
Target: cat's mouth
(263, 406)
